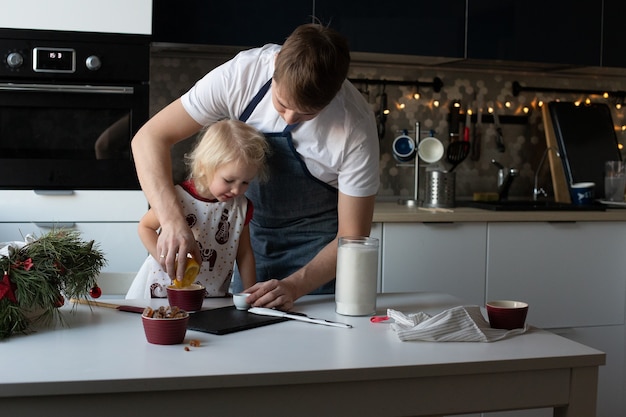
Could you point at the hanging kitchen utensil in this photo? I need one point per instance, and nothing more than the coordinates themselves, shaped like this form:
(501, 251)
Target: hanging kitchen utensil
(499, 138)
(454, 120)
(476, 138)
(457, 152)
(381, 115)
(468, 122)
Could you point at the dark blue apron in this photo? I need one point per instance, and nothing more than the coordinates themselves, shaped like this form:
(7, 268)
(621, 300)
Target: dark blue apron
(295, 214)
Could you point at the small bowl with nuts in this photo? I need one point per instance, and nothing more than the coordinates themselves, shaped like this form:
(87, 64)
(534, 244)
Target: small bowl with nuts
(165, 325)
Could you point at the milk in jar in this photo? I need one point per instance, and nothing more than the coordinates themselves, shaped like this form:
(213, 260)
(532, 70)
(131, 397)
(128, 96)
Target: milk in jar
(357, 275)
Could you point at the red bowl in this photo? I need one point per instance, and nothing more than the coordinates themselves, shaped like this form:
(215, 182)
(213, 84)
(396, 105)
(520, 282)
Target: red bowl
(507, 314)
(165, 331)
(188, 298)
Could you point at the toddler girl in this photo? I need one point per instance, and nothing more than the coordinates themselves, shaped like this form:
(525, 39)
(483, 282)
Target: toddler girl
(227, 158)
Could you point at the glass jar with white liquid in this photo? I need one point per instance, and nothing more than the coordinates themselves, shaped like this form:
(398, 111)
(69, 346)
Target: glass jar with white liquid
(357, 276)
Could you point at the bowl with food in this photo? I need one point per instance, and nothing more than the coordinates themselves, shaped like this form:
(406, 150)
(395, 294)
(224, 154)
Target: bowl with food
(166, 325)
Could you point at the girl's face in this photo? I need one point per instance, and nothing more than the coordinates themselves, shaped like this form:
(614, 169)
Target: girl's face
(230, 180)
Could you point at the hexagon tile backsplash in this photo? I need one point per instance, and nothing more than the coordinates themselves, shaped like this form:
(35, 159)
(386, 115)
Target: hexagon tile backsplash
(175, 69)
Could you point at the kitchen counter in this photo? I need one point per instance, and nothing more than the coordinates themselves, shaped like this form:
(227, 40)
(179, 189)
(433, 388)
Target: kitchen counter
(101, 365)
(392, 212)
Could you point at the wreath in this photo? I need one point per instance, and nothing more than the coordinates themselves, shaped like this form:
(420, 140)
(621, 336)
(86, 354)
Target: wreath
(40, 273)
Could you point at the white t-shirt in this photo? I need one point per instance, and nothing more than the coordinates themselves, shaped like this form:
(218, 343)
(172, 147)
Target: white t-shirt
(339, 146)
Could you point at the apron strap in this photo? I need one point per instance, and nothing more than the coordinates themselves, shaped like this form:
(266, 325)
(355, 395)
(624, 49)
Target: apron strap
(255, 101)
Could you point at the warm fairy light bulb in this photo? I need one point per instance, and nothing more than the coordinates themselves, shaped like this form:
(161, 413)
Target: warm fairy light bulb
(457, 104)
(416, 96)
(400, 106)
(618, 106)
(588, 101)
(470, 112)
(605, 95)
(540, 103)
(526, 109)
(436, 103)
(623, 128)
(577, 103)
(507, 104)
(386, 111)
(490, 109)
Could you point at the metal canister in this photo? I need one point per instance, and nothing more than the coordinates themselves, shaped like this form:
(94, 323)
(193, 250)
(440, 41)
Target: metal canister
(440, 187)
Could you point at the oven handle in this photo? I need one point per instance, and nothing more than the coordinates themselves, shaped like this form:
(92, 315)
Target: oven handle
(67, 88)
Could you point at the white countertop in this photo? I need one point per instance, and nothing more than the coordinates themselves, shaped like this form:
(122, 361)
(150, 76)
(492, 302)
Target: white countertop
(390, 212)
(104, 351)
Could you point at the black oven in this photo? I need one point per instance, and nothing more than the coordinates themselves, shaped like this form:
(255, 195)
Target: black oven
(70, 103)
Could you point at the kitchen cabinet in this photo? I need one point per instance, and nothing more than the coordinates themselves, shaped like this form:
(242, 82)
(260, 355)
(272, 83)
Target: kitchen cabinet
(122, 249)
(377, 232)
(435, 257)
(556, 32)
(434, 28)
(234, 22)
(613, 34)
(111, 16)
(110, 218)
(573, 275)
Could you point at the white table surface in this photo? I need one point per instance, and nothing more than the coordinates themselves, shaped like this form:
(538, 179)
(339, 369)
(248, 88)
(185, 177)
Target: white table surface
(289, 368)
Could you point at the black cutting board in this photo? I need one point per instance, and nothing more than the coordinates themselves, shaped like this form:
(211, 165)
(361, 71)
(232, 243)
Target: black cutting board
(226, 320)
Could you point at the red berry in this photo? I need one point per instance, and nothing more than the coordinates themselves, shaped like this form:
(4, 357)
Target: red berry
(95, 292)
(60, 301)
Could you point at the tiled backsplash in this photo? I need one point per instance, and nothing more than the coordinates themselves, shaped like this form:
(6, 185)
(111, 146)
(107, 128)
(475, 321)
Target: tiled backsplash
(174, 69)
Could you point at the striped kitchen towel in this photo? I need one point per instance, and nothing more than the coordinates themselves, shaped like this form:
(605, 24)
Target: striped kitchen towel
(458, 324)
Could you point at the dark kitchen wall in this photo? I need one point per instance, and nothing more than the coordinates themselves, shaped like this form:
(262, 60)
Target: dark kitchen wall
(175, 68)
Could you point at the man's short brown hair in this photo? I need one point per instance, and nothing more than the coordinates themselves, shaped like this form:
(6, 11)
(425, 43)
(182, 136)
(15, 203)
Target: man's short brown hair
(312, 65)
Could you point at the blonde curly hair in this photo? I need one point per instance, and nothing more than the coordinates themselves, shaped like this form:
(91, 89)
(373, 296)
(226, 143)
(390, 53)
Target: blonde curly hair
(224, 142)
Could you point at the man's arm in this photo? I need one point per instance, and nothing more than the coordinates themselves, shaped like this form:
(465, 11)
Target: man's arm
(151, 151)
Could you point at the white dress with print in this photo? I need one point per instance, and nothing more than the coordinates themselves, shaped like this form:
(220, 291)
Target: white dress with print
(217, 227)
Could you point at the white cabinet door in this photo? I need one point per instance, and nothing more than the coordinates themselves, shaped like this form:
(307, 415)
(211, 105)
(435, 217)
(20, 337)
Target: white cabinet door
(113, 16)
(377, 232)
(571, 274)
(435, 257)
(120, 243)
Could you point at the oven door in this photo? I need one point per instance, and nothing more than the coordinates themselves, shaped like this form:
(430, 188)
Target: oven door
(69, 136)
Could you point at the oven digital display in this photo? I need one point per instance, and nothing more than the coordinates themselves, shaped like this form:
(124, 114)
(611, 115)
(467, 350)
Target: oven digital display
(54, 60)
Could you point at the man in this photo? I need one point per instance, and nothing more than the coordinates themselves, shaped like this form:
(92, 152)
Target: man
(323, 165)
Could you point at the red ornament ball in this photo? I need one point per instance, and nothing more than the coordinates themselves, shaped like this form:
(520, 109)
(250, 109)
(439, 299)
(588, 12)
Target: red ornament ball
(95, 292)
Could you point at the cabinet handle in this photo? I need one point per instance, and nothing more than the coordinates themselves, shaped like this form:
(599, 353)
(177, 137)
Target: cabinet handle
(54, 192)
(55, 225)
